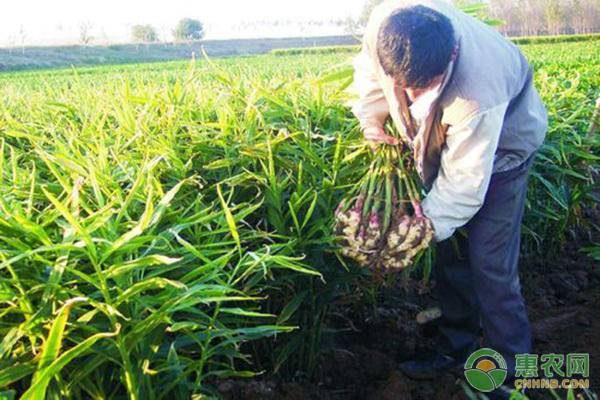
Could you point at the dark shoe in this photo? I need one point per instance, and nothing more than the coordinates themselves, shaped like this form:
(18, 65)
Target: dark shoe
(430, 368)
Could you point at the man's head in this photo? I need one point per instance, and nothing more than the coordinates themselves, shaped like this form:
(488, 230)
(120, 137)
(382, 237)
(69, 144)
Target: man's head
(415, 46)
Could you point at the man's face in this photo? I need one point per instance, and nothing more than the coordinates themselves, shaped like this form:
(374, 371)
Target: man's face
(414, 93)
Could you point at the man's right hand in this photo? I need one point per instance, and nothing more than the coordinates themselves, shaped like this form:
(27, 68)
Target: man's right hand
(377, 136)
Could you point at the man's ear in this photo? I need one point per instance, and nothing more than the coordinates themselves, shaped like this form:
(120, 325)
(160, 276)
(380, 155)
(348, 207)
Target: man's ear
(398, 88)
(454, 53)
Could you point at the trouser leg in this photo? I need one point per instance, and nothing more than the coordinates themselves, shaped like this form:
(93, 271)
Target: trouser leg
(494, 244)
(482, 283)
(459, 324)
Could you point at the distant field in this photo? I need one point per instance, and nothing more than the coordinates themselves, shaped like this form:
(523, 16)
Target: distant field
(298, 60)
(17, 59)
(66, 56)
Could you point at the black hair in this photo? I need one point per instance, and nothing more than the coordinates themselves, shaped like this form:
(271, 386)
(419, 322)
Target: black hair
(414, 45)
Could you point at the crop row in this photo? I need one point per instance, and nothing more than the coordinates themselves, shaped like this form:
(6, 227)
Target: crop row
(522, 40)
(162, 228)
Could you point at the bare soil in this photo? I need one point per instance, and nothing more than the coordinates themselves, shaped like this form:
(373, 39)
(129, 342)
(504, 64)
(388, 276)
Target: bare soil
(562, 298)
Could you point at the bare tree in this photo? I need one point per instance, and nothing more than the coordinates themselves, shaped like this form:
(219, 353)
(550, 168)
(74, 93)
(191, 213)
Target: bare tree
(553, 15)
(591, 16)
(22, 38)
(12, 43)
(363, 19)
(85, 36)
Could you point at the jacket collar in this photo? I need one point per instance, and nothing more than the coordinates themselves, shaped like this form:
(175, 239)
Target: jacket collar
(425, 104)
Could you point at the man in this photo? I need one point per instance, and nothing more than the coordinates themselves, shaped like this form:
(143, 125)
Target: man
(462, 97)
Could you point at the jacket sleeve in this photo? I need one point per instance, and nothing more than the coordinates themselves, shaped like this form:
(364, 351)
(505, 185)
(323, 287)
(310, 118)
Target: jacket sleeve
(466, 167)
(371, 107)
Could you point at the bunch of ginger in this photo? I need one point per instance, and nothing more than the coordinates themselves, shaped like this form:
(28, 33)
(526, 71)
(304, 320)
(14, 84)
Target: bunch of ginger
(381, 224)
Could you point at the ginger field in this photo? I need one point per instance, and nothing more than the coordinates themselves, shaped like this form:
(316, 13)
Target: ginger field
(168, 226)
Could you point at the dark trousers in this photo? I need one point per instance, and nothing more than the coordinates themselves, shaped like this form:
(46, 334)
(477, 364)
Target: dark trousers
(479, 287)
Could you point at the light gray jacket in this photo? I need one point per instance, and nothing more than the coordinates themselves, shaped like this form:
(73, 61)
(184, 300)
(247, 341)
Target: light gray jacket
(488, 118)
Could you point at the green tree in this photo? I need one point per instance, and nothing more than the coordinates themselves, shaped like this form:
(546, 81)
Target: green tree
(144, 34)
(189, 29)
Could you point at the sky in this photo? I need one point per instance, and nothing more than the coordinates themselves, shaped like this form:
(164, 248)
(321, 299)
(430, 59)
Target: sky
(34, 22)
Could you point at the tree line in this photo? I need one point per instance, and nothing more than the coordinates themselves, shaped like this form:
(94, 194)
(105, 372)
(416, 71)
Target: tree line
(546, 17)
(511, 17)
(527, 17)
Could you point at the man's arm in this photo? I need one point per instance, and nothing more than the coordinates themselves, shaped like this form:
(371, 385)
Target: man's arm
(466, 167)
(371, 107)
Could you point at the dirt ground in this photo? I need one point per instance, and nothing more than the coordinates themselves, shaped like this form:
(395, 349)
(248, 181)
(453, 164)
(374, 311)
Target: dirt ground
(562, 297)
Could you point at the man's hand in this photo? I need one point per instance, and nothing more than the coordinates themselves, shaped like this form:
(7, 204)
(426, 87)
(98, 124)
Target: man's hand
(377, 135)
